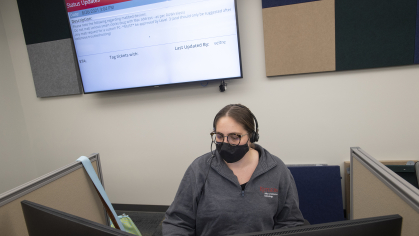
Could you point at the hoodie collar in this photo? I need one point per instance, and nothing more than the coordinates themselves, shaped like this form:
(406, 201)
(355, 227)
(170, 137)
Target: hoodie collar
(266, 162)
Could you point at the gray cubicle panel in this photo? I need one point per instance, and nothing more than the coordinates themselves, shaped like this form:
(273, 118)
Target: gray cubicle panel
(346, 174)
(68, 189)
(378, 191)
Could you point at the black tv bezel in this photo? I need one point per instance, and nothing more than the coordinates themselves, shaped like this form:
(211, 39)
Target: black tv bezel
(157, 85)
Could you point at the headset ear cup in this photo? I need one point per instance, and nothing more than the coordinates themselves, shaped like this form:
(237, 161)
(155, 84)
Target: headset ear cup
(255, 137)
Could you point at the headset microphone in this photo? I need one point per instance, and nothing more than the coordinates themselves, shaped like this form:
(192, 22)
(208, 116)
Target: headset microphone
(206, 177)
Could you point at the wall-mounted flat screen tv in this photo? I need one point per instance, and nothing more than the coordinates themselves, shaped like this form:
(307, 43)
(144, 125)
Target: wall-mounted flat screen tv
(123, 44)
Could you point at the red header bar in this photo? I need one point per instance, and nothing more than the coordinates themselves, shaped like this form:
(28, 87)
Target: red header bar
(77, 5)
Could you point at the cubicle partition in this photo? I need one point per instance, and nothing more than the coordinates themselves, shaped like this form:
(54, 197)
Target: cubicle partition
(68, 189)
(378, 191)
(347, 177)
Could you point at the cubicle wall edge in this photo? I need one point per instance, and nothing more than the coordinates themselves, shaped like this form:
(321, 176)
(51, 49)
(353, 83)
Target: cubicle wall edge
(398, 185)
(102, 180)
(37, 183)
(351, 214)
(26, 188)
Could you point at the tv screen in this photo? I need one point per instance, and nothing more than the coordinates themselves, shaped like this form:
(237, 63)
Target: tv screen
(123, 44)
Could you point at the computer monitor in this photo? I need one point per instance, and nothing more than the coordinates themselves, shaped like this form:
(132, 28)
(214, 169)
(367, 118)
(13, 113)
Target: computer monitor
(407, 172)
(45, 221)
(390, 225)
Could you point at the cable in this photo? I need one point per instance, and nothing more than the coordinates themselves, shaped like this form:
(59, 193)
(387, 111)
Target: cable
(223, 86)
(206, 177)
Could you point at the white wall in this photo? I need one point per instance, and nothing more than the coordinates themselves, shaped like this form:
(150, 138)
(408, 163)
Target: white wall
(16, 162)
(148, 137)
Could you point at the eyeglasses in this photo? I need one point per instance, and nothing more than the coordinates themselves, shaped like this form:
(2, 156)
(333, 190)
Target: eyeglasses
(232, 139)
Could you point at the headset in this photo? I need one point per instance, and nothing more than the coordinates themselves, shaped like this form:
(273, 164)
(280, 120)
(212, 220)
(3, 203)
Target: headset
(254, 137)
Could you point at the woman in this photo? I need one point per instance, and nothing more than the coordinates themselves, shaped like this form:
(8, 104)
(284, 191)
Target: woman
(239, 188)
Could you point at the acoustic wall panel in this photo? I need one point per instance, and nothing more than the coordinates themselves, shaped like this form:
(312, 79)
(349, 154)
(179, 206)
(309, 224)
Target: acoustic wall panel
(43, 21)
(54, 68)
(51, 54)
(417, 35)
(375, 33)
(299, 38)
(277, 3)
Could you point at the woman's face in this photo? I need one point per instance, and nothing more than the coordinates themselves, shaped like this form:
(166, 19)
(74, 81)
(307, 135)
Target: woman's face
(227, 125)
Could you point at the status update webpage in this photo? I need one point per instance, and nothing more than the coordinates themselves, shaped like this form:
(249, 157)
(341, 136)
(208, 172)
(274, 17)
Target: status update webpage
(135, 43)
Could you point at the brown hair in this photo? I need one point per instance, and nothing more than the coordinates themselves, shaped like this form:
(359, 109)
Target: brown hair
(241, 114)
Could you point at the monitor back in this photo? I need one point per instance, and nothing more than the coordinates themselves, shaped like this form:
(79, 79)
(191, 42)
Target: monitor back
(45, 221)
(376, 226)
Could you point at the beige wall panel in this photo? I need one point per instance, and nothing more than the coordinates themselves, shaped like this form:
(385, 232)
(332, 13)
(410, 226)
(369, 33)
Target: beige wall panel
(73, 193)
(347, 179)
(300, 38)
(371, 197)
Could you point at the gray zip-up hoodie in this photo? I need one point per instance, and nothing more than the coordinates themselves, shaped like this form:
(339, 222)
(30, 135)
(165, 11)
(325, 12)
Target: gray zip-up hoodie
(269, 201)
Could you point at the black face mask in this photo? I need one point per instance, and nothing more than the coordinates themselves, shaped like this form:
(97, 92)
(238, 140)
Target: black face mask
(232, 154)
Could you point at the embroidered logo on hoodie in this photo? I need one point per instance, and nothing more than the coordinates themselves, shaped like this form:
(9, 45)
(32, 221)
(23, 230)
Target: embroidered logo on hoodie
(269, 192)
